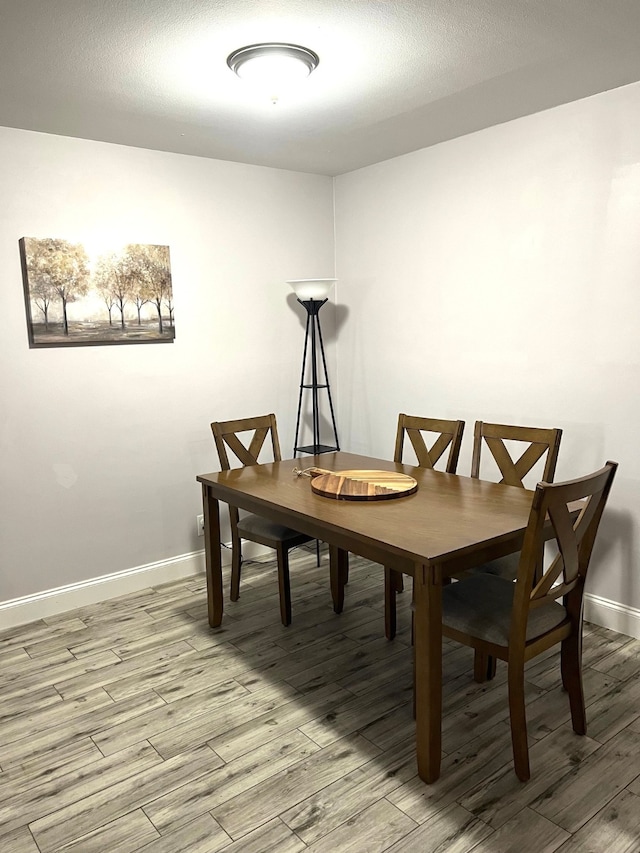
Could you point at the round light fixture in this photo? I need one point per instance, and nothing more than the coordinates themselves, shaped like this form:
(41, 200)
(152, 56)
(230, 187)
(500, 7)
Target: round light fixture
(273, 63)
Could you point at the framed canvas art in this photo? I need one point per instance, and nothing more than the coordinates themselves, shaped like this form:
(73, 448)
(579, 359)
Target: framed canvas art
(77, 295)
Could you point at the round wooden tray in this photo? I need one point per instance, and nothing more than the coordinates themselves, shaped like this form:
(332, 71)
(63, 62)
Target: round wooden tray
(363, 485)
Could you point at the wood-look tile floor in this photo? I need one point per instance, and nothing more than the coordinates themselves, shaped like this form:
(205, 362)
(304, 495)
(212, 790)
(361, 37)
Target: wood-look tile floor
(132, 726)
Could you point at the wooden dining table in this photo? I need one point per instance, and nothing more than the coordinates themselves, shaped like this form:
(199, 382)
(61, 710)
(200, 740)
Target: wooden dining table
(449, 524)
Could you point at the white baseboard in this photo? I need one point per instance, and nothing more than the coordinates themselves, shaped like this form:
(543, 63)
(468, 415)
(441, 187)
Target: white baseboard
(30, 608)
(51, 602)
(611, 614)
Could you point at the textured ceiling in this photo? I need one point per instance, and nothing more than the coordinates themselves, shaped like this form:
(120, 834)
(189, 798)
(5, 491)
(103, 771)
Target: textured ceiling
(394, 75)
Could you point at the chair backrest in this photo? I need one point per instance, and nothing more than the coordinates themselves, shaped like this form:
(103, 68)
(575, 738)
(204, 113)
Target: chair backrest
(538, 442)
(448, 435)
(566, 574)
(226, 435)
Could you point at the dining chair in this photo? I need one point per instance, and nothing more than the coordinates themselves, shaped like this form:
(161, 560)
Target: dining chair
(430, 438)
(533, 444)
(514, 453)
(254, 528)
(518, 621)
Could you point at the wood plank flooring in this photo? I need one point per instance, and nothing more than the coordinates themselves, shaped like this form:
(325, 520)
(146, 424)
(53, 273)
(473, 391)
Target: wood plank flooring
(132, 726)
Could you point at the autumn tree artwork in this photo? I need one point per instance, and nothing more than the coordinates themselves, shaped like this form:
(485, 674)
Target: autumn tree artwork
(82, 295)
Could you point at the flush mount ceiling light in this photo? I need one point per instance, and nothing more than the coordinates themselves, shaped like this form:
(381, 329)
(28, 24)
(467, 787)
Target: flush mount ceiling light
(273, 64)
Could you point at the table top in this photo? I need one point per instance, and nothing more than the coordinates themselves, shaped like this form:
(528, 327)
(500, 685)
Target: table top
(451, 520)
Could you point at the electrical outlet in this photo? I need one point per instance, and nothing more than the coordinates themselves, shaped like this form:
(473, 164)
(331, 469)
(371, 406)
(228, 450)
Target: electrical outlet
(200, 524)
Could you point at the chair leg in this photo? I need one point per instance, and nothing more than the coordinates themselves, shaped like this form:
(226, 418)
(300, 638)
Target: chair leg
(518, 719)
(338, 572)
(236, 564)
(393, 583)
(491, 667)
(571, 668)
(479, 666)
(484, 667)
(390, 589)
(284, 584)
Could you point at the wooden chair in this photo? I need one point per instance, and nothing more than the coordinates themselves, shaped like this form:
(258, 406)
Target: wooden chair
(253, 527)
(538, 442)
(535, 444)
(517, 621)
(448, 435)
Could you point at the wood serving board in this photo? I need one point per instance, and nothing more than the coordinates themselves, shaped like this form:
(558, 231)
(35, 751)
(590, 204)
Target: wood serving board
(362, 485)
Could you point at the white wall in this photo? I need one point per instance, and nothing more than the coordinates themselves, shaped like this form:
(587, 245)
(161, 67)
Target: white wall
(494, 277)
(100, 446)
(497, 277)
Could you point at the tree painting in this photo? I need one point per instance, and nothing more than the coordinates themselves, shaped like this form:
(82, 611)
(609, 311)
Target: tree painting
(58, 269)
(71, 293)
(153, 270)
(104, 289)
(41, 294)
(113, 273)
(140, 301)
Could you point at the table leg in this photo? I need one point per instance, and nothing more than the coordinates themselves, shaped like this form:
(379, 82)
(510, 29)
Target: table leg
(339, 572)
(213, 560)
(428, 670)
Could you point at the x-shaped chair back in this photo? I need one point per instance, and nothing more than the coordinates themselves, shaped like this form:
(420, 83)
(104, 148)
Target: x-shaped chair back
(247, 452)
(513, 471)
(566, 574)
(430, 439)
(448, 434)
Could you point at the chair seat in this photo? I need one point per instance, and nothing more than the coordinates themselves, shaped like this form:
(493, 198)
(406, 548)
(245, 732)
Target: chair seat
(482, 605)
(255, 526)
(503, 567)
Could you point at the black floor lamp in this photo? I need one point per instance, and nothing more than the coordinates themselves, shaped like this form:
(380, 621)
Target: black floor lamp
(312, 294)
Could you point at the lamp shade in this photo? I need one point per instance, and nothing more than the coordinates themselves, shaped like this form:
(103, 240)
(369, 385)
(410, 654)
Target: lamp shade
(311, 288)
